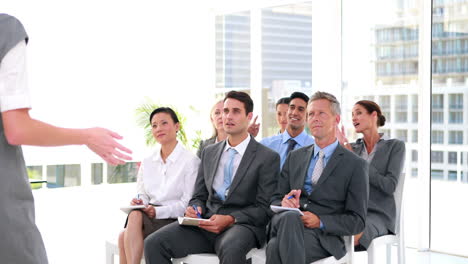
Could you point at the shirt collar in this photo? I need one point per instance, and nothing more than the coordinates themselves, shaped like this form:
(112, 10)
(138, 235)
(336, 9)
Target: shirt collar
(172, 157)
(240, 148)
(300, 139)
(328, 150)
(382, 138)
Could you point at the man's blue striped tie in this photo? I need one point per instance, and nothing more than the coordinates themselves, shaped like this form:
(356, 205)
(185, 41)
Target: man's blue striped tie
(228, 168)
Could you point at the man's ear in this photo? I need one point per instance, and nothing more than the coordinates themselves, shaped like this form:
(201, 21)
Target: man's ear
(249, 116)
(338, 119)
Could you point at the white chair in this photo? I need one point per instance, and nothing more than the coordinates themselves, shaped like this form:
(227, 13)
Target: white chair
(348, 258)
(113, 250)
(389, 240)
(208, 258)
(258, 255)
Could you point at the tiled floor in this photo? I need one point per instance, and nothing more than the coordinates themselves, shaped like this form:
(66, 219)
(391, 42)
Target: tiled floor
(413, 256)
(75, 222)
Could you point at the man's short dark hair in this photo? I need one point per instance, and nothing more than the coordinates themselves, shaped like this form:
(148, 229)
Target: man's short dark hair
(300, 95)
(284, 100)
(166, 110)
(243, 97)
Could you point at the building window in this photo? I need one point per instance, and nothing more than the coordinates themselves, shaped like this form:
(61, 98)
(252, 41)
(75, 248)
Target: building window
(97, 173)
(437, 156)
(452, 157)
(414, 172)
(437, 174)
(414, 155)
(452, 176)
(63, 175)
(402, 134)
(456, 137)
(437, 137)
(385, 106)
(386, 132)
(414, 137)
(233, 50)
(401, 108)
(456, 108)
(414, 99)
(123, 173)
(438, 108)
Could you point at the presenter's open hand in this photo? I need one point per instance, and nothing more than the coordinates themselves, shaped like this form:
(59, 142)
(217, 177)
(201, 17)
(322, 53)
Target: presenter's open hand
(217, 224)
(103, 142)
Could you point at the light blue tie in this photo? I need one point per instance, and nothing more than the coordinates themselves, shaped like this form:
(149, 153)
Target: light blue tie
(228, 168)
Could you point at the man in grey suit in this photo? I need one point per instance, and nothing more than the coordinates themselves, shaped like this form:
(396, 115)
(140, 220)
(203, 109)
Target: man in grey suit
(238, 211)
(328, 183)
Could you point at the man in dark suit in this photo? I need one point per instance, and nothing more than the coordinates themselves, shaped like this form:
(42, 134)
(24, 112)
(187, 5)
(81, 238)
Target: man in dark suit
(328, 183)
(235, 182)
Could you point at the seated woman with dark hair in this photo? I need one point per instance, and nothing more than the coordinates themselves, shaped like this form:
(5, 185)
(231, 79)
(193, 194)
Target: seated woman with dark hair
(386, 160)
(165, 185)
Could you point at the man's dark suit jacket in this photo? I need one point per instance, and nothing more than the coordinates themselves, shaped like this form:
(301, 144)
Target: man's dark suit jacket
(249, 195)
(339, 198)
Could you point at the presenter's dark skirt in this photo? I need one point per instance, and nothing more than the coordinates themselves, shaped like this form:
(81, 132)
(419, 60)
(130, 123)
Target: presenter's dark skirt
(151, 225)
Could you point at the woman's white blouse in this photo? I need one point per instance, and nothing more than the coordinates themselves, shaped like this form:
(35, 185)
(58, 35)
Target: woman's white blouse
(168, 185)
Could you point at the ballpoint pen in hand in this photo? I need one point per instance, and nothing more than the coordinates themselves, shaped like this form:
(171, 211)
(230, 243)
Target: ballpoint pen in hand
(196, 210)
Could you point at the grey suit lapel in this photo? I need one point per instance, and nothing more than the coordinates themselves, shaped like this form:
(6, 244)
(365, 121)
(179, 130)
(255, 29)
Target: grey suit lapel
(331, 164)
(249, 156)
(214, 164)
(303, 167)
(357, 148)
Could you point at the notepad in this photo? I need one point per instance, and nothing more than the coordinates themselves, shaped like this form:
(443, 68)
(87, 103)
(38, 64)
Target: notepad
(128, 208)
(278, 209)
(190, 221)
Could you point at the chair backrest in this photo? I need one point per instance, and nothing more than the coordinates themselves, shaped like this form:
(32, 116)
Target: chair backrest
(398, 195)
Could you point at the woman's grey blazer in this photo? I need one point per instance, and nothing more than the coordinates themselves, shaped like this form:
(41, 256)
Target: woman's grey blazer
(204, 144)
(384, 172)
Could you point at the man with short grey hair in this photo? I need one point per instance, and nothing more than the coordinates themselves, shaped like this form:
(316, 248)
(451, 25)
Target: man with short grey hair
(328, 183)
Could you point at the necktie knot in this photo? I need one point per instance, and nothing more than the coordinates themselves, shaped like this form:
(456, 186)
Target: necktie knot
(321, 154)
(232, 152)
(291, 144)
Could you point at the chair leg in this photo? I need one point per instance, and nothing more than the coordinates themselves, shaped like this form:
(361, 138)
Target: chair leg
(401, 252)
(109, 254)
(389, 253)
(371, 255)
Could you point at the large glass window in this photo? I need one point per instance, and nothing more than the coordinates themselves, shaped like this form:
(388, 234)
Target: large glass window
(122, 173)
(286, 56)
(233, 51)
(449, 95)
(63, 175)
(390, 53)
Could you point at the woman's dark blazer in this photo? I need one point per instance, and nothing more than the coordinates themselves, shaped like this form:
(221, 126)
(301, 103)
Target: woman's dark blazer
(204, 144)
(384, 172)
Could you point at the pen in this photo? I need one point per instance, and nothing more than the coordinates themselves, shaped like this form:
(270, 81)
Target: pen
(291, 196)
(196, 210)
(138, 198)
